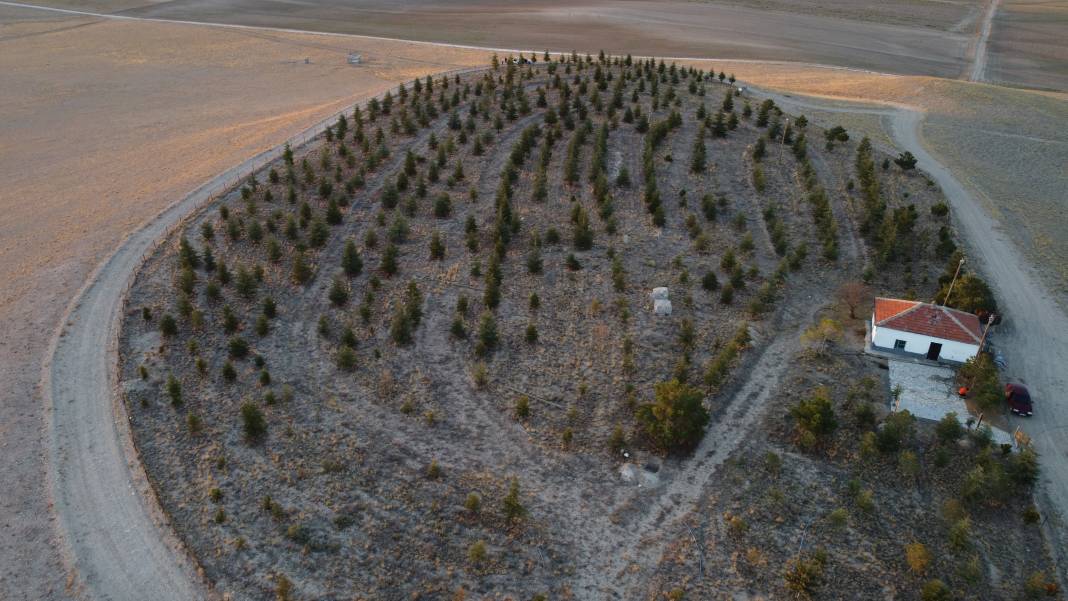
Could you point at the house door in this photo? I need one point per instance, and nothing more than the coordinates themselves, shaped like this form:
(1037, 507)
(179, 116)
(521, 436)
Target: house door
(934, 351)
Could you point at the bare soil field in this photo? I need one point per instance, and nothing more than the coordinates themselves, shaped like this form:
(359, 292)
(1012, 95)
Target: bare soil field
(106, 123)
(927, 38)
(415, 355)
(1027, 45)
(955, 16)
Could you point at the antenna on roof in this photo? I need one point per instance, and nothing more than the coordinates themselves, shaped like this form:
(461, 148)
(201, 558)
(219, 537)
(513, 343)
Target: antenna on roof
(951, 284)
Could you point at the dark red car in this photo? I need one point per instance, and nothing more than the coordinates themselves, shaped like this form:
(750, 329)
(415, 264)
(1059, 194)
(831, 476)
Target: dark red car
(1019, 399)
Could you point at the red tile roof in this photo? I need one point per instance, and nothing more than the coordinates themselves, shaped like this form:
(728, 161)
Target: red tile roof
(928, 320)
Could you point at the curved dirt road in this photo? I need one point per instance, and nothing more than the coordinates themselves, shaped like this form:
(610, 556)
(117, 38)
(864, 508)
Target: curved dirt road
(114, 537)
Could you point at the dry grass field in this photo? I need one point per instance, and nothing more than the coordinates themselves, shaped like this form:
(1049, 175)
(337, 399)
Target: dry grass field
(1028, 45)
(105, 124)
(927, 38)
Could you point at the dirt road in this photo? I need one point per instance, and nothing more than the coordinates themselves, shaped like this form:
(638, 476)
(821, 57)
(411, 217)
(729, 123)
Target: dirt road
(978, 63)
(1034, 338)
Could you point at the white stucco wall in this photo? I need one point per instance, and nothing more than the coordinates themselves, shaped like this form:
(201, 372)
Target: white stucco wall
(919, 344)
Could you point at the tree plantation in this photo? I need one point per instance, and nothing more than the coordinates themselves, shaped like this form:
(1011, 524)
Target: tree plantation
(418, 357)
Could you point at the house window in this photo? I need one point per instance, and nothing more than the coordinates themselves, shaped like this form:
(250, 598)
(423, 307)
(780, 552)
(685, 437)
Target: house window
(899, 345)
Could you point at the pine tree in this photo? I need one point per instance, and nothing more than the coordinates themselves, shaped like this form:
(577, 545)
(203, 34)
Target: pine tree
(302, 272)
(437, 247)
(350, 260)
(698, 159)
(583, 235)
(389, 260)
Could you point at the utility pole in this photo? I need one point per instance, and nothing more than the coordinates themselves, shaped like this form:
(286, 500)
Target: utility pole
(952, 283)
(989, 324)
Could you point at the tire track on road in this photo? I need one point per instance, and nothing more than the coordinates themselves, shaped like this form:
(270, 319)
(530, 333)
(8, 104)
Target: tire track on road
(977, 71)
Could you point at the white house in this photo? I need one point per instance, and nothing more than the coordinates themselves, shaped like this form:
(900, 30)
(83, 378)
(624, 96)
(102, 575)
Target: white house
(922, 329)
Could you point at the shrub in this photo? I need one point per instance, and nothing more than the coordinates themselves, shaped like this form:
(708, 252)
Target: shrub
(718, 368)
(960, 534)
(838, 518)
(906, 161)
(480, 375)
(511, 506)
(195, 424)
(1038, 585)
(238, 347)
(433, 471)
(815, 415)
(302, 272)
(709, 281)
(473, 503)
(918, 557)
(487, 335)
(457, 328)
(443, 205)
(676, 418)
(168, 327)
(908, 464)
(253, 422)
(350, 260)
(618, 440)
(174, 390)
(949, 429)
(531, 334)
(1031, 515)
(726, 295)
(935, 590)
(583, 234)
(895, 431)
(346, 358)
(522, 407)
(339, 292)
(1022, 468)
(437, 247)
(389, 260)
(476, 553)
(804, 575)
